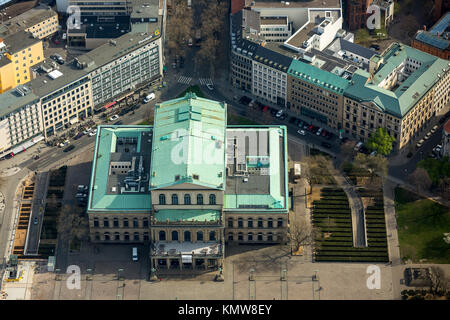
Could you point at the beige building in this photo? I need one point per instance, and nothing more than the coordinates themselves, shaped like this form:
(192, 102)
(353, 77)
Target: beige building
(40, 21)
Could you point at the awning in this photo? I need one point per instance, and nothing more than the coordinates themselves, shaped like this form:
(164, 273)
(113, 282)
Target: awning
(109, 105)
(186, 258)
(125, 96)
(24, 146)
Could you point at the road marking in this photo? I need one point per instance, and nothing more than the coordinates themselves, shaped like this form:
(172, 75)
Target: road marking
(205, 81)
(184, 79)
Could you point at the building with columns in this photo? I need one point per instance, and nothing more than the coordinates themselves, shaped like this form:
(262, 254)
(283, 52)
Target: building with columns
(189, 185)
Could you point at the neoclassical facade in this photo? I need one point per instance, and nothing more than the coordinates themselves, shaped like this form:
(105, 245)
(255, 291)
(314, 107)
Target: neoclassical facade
(189, 185)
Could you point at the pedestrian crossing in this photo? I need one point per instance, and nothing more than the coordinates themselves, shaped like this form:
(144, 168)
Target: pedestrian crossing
(183, 79)
(205, 81)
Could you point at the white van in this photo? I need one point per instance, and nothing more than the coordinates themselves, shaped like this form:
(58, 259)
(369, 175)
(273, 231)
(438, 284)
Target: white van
(135, 254)
(149, 98)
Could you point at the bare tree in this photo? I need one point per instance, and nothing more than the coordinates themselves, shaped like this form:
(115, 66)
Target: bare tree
(300, 233)
(71, 224)
(439, 284)
(420, 179)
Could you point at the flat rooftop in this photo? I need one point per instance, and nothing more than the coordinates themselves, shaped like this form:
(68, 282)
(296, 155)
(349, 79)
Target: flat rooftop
(18, 41)
(273, 21)
(26, 20)
(301, 36)
(120, 172)
(256, 168)
(296, 4)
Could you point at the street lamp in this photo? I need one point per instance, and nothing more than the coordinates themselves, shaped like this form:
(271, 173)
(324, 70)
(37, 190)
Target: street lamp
(252, 276)
(315, 275)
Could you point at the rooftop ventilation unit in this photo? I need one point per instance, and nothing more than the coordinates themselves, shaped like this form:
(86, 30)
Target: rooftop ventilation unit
(23, 90)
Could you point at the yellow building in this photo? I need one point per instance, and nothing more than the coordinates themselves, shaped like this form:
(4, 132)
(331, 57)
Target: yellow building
(22, 51)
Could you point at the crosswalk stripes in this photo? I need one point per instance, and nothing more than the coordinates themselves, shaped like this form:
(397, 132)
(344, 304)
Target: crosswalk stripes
(183, 79)
(205, 81)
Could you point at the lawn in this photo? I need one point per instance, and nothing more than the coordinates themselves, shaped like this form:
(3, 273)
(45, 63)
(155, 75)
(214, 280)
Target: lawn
(195, 89)
(421, 227)
(238, 120)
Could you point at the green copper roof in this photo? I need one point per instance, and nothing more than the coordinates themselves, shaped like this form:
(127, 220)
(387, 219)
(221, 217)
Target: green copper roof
(189, 143)
(318, 77)
(401, 98)
(187, 215)
(99, 197)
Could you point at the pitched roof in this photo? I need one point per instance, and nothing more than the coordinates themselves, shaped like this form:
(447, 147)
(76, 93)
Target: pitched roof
(189, 143)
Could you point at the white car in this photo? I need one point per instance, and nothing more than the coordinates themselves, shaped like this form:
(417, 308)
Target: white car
(428, 135)
(63, 144)
(209, 86)
(358, 146)
(114, 117)
(301, 132)
(433, 130)
(319, 131)
(149, 98)
(279, 113)
(419, 144)
(93, 133)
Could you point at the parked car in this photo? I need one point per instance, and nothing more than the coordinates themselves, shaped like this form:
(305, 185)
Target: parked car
(82, 188)
(273, 112)
(301, 132)
(63, 144)
(324, 133)
(80, 195)
(210, 86)
(244, 100)
(373, 153)
(319, 131)
(149, 97)
(69, 148)
(420, 143)
(433, 130)
(78, 136)
(283, 116)
(35, 220)
(93, 133)
(358, 146)
(427, 136)
(279, 113)
(114, 117)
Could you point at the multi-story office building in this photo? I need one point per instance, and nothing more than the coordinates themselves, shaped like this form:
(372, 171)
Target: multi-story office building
(269, 72)
(20, 52)
(41, 22)
(435, 41)
(316, 93)
(72, 91)
(275, 29)
(402, 91)
(189, 184)
(242, 64)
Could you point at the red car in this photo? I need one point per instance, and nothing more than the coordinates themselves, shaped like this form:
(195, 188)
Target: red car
(266, 108)
(310, 127)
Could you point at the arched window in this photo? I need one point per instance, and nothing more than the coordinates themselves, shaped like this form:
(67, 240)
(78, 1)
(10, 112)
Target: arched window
(269, 236)
(96, 223)
(199, 199)
(146, 236)
(97, 236)
(250, 236)
(280, 222)
(174, 235)
(250, 222)
(125, 223)
(260, 223)
(106, 222)
(212, 199)
(212, 236)
(270, 223)
(106, 234)
(162, 235)
(199, 235)
(174, 199)
(240, 236)
(260, 236)
(187, 199)
(126, 236)
(135, 223)
(230, 222)
(116, 222)
(240, 223)
(230, 236)
(187, 236)
(136, 236)
(145, 222)
(162, 199)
